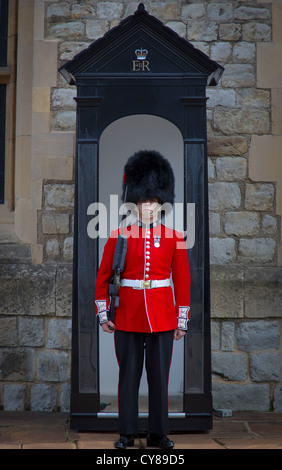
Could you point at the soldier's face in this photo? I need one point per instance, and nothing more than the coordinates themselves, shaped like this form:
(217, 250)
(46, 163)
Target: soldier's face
(148, 208)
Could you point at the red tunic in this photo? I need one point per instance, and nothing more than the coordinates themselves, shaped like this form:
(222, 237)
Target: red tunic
(155, 253)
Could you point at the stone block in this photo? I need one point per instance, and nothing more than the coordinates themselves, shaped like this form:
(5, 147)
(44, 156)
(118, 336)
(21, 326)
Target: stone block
(227, 145)
(251, 13)
(96, 28)
(59, 196)
(65, 397)
(237, 76)
(214, 224)
(51, 154)
(16, 365)
(43, 397)
(64, 290)
(265, 160)
(37, 253)
(252, 98)
(31, 331)
(231, 168)
(8, 331)
(53, 248)
(68, 49)
(263, 292)
(18, 253)
(202, 30)
(164, 11)
(229, 366)
(41, 100)
(256, 250)
(230, 32)
(267, 54)
(178, 27)
(242, 121)
(44, 71)
(277, 403)
(256, 32)
(269, 225)
(227, 292)
(241, 223)
(25, 221)
(258, 335)
(221, 52)
(224, 196)
(227, 336)
(244, 52)
(27, 290)
(276, 22)
(68, 249)
(41, 125)
(220, 11)
(53, 366)
(237, 397)
(211, 173)
(193, 11)
(59, 334)
(66, 30)
(14, 397)
(82, 11)
(57, 11)
(64, 120)
(265, 367)
(109, 10)
(55, 223)
(259, 197)
(222, 251)
(7, 233)
(276, 108)
(215, 335)
(63, 97)
(217, 97)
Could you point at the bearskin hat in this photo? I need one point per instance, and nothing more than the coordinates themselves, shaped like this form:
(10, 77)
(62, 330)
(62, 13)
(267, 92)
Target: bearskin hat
(147, 174)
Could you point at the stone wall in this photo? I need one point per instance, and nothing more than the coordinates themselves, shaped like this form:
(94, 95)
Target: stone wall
(35, 336)
(245, 200)
(246, 337)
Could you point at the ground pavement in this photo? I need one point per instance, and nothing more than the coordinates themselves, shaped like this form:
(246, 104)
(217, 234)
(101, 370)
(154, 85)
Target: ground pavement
(36, 430)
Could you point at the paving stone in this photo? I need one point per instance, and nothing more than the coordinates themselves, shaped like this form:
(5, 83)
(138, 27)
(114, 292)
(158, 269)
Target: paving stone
(50, 445)
(252, 443)
(263, 429)
(38, 430)
(192, 441)
(228, 428)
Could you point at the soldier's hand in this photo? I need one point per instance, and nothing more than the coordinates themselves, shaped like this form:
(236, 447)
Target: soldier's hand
(178, 334)
(108, 327)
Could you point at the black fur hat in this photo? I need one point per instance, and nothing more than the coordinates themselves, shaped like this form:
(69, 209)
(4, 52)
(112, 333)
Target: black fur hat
(147, 174)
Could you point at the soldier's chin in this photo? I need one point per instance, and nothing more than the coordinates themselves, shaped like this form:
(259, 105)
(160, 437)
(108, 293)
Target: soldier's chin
(146, 214)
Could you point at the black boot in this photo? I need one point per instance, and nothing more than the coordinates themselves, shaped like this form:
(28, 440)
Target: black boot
(154, 440)
(124, 442)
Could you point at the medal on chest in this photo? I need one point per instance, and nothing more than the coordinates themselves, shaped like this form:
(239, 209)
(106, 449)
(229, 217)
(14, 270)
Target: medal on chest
(156, 241)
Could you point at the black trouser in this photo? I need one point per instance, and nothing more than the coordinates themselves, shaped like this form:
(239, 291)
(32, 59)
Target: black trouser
(130, 349)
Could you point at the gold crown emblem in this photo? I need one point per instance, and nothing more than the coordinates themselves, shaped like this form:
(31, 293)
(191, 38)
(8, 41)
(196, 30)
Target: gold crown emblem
(141, 54)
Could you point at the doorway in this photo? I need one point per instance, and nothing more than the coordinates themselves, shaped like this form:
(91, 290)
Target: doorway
(121, 139)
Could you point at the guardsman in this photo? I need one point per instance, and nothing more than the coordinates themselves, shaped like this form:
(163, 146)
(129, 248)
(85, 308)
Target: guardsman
(151, 314)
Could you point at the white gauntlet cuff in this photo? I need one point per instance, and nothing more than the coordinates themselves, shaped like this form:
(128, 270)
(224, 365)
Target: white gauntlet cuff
(102, 311)
(183, 318)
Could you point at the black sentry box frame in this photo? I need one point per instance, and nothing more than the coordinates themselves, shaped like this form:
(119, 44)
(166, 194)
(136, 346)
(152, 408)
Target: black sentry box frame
(112, 82)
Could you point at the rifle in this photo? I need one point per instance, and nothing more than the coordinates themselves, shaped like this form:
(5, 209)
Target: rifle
(118, 266)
